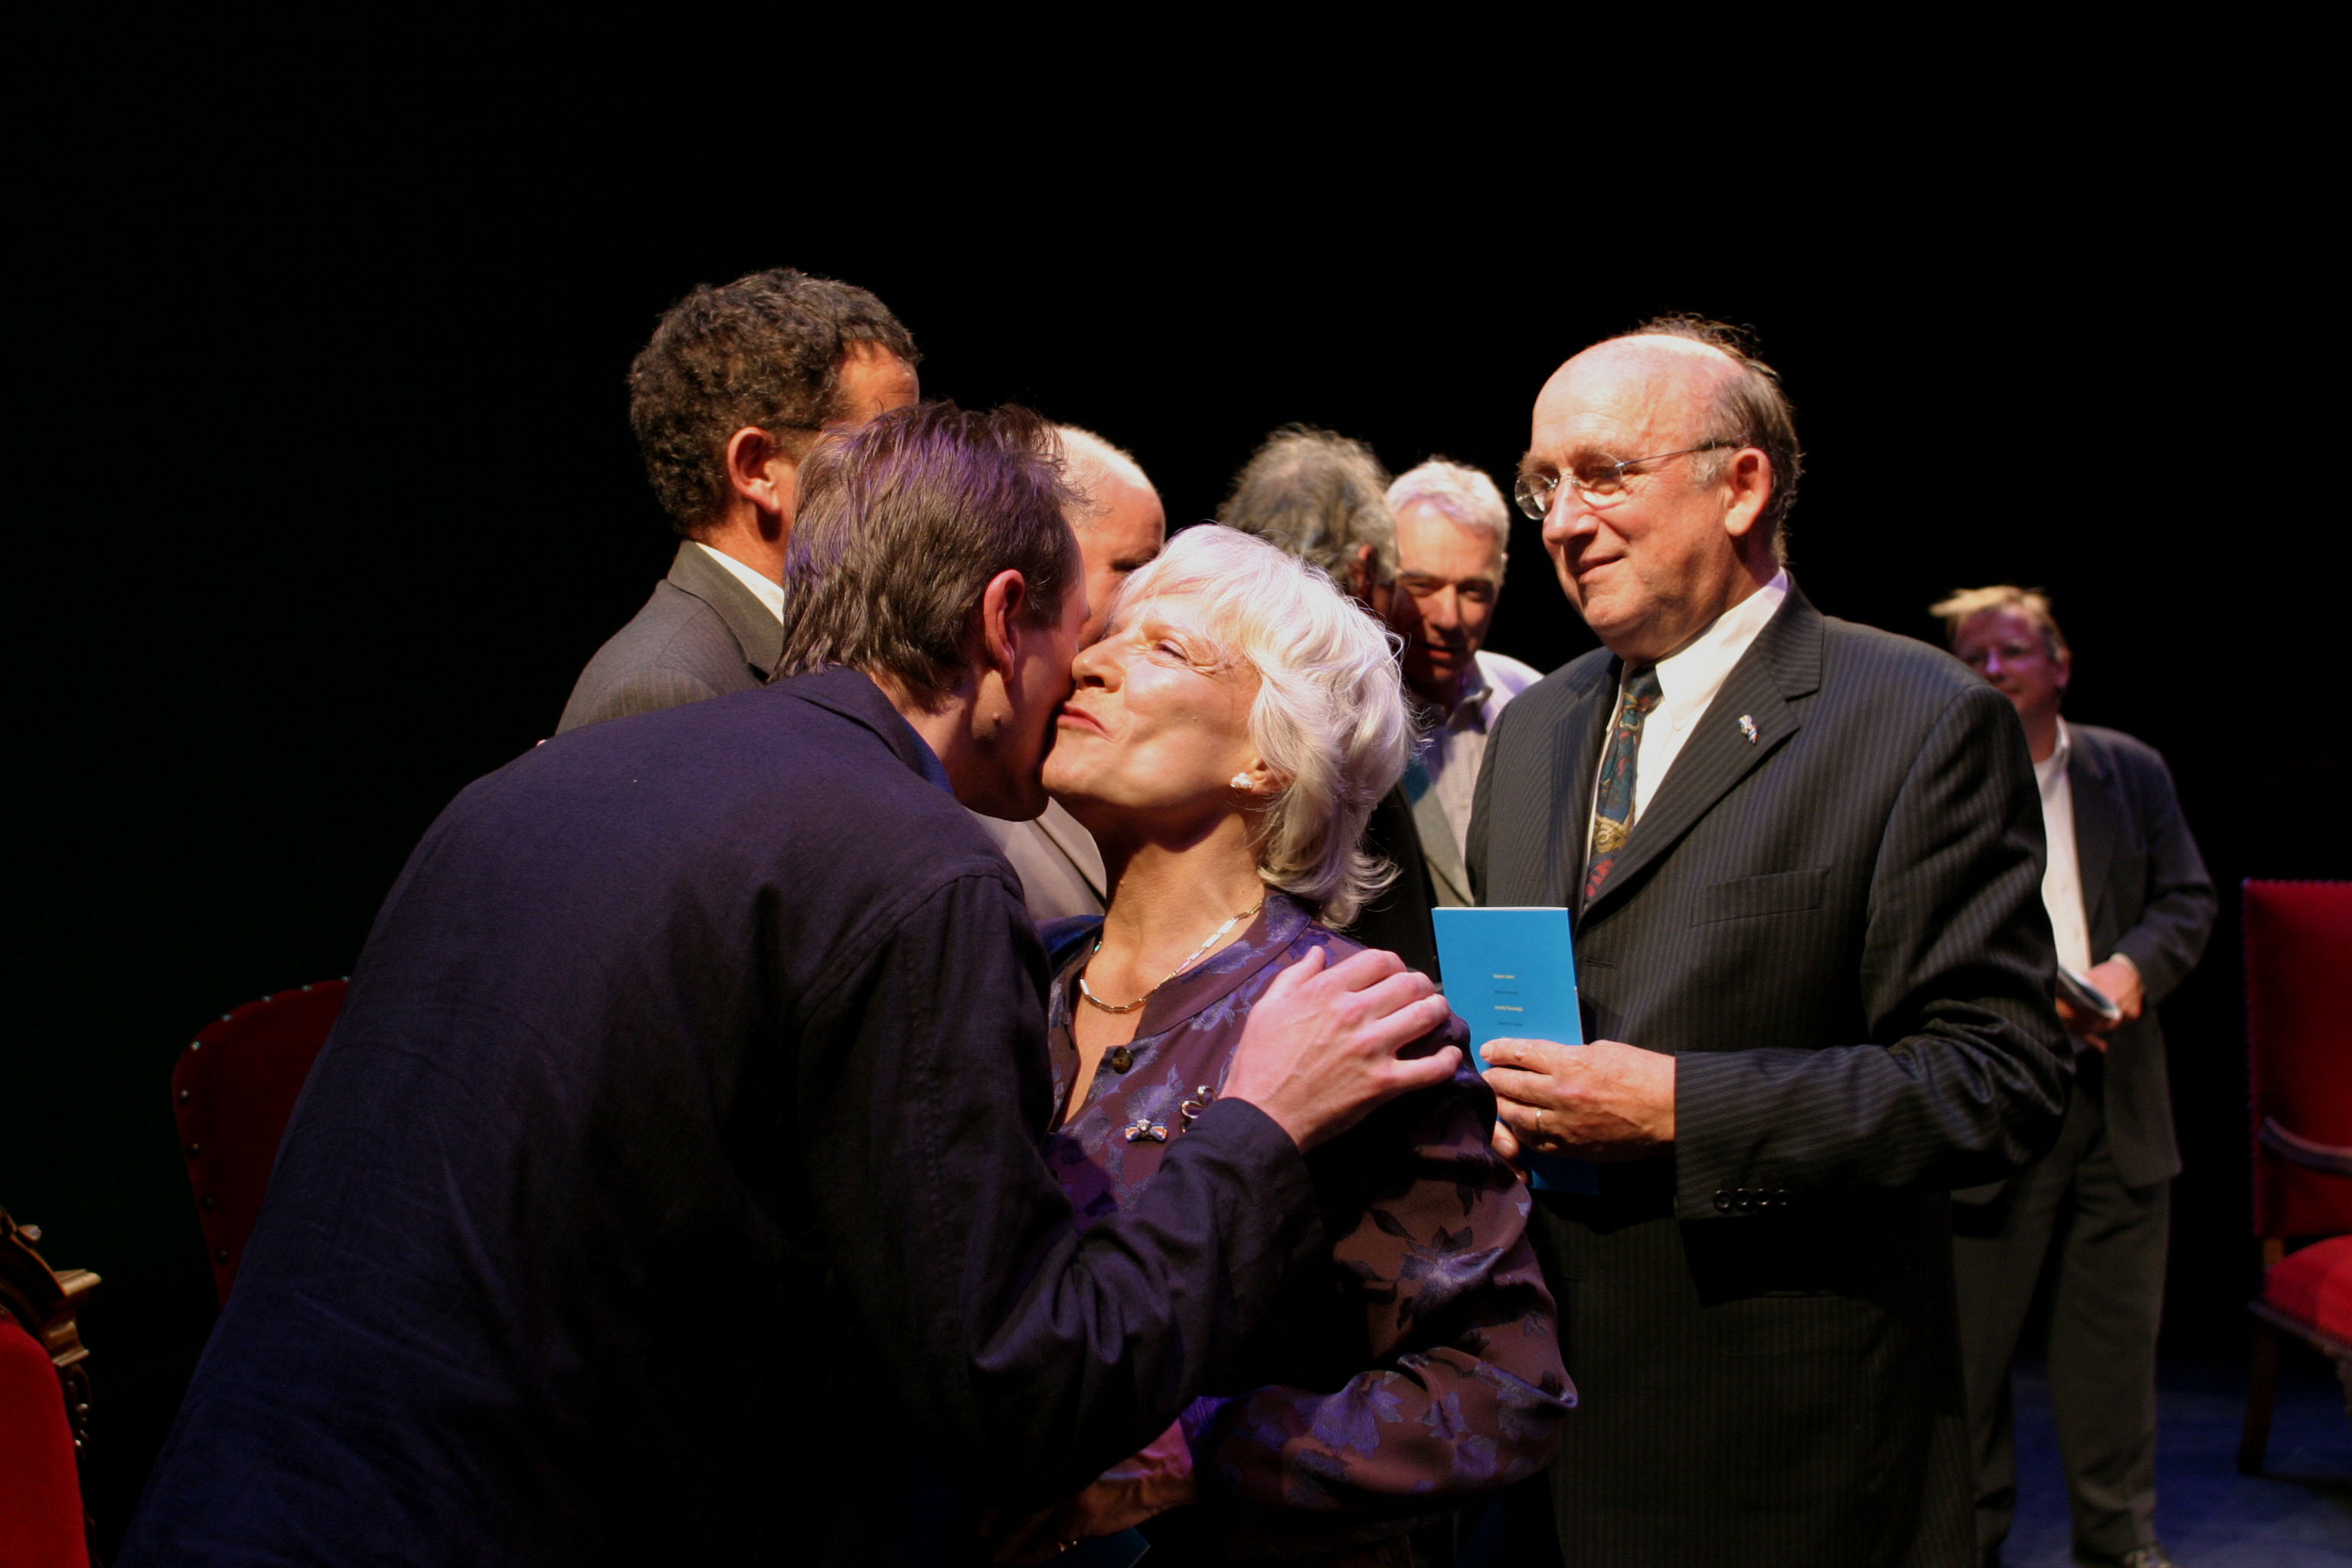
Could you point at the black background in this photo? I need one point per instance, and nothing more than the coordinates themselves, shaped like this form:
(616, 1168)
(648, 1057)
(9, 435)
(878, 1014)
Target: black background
(328, 491)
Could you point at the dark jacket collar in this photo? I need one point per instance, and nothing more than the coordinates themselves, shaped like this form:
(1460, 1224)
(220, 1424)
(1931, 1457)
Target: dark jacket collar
(853, 694)
(758, 634)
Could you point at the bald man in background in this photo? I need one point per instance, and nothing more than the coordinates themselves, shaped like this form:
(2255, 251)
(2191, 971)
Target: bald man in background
(1121, 526)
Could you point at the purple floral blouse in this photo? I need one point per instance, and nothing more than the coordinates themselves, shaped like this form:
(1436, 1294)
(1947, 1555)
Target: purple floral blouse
(1424, 1369)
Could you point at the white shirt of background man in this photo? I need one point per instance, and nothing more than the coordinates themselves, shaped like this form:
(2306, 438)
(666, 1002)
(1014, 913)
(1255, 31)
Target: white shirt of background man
(2062, 875)
(768, 594)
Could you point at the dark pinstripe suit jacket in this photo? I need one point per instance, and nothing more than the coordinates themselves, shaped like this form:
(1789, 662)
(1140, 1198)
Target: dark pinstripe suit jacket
(1837, 927)
(702, 633)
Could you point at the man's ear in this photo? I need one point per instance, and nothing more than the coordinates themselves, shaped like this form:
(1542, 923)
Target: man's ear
(1748, 479)
(761, 472)
(1002, 603)
(2065, 662)
(1360, 573)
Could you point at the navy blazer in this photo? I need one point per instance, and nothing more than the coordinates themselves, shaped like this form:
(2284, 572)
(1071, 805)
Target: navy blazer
(669, 1190)
(1830, 913)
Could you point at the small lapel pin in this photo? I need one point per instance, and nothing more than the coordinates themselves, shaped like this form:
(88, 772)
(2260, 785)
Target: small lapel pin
(1144, 1129)
(1747, 727)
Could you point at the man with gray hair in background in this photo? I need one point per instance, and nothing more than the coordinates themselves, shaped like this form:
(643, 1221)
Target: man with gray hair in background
(1120, 524)
(1454, 539)
(1323, 497)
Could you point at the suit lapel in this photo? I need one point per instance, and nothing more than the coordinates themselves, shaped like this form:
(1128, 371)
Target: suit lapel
(1576, 761)
(2096, 813)
(1784, 662)
(1437, 851)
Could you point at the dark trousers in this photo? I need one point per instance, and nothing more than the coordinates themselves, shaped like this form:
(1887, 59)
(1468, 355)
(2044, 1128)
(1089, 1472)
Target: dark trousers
(1778, 1390)
(2104, 1243)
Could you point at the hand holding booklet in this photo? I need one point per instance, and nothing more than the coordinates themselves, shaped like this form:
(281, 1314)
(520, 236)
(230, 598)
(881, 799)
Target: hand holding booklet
(1511, 974)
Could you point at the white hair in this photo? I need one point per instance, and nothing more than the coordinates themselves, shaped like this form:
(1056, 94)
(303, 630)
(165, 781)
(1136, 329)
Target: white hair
(1463, 494)
(1330, 714)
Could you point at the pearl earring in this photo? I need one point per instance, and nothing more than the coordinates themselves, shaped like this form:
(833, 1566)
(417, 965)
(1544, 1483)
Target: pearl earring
(1241, 780)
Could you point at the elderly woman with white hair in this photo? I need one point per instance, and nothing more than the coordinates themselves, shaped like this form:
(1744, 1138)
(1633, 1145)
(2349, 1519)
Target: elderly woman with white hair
(1228, 736)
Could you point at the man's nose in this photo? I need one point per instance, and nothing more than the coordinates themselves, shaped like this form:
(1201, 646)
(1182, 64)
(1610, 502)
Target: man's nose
(1569, 518)
(1443, 609)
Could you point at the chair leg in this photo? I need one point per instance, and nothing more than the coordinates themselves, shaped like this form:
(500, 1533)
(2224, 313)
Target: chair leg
(2262, 1398)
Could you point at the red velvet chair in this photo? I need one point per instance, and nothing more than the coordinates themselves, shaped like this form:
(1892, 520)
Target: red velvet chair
(2299, 1065)
(44, 1407)
(232, 1090)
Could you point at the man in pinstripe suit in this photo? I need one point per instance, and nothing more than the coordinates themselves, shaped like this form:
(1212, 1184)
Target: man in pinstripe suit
(1804, 859)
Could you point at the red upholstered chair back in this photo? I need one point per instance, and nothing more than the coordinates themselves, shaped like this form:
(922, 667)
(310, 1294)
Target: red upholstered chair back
(2299, 1047)
(40, 1490)
(233, 1090)
(44, 1405)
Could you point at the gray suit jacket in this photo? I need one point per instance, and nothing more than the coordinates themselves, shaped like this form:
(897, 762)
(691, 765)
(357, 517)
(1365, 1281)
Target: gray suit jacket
(1836, 925)
(2146, 895)
(1061, 871)
(702, 633)
(1449, 879)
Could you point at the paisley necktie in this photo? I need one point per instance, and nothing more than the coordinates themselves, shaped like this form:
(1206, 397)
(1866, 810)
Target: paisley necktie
(1612, 803)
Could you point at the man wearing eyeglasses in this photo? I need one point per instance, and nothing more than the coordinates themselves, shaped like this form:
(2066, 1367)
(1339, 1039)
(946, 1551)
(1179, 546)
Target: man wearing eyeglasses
(1452, 540)
(2124, 879)
(1803, 860)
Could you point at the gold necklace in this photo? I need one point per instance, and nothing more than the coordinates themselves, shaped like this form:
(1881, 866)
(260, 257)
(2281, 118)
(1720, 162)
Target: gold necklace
(1214, 937)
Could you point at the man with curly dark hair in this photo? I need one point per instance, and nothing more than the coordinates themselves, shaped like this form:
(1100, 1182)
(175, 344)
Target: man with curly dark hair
(726, 400)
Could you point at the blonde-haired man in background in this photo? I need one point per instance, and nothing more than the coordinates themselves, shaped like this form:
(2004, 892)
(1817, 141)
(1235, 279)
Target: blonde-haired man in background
(2130, 906)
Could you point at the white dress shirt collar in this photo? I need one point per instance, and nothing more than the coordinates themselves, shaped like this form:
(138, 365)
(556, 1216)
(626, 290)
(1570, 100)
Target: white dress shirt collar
(770, 593)
(1688, 680)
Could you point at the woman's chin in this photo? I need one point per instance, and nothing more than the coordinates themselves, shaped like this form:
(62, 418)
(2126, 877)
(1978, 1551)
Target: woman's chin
(1071, 795)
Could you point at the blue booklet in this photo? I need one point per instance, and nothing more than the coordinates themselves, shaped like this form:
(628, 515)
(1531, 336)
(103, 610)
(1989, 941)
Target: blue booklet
(1511, 974)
